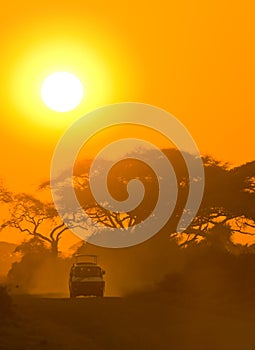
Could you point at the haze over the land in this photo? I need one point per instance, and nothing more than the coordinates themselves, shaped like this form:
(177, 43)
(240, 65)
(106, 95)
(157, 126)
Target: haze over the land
(190, 291)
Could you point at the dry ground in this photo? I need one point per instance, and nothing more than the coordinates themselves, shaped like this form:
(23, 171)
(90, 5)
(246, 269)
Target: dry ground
(139, 323)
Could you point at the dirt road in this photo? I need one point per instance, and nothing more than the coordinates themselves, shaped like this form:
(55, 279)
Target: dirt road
(127, 323)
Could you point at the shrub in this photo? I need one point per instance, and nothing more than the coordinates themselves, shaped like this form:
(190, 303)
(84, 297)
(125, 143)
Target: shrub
(5, 302)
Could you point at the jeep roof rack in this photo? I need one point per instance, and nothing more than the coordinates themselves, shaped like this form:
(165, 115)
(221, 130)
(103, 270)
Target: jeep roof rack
(85, 259)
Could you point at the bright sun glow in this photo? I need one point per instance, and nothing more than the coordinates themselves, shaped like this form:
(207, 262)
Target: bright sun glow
(62, 91)
(98, 74)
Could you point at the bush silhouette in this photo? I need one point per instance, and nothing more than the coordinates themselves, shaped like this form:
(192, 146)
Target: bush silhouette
(5, 302)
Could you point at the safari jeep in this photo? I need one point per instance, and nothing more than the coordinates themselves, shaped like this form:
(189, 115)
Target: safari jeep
(86, 277)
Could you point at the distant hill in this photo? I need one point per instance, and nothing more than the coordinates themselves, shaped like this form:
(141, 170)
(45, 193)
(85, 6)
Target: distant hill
(6, 257)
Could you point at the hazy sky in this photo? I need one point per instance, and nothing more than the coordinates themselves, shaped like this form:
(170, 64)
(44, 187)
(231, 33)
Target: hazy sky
(193, 58)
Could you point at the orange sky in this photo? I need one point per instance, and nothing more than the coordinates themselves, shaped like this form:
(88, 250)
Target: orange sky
(193, 58)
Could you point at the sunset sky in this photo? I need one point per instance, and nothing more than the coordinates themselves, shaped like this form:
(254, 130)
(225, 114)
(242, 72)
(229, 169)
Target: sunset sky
(194, 59)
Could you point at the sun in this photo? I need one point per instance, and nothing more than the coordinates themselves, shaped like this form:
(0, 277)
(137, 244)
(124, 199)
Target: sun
(50, 85)
(62, 91)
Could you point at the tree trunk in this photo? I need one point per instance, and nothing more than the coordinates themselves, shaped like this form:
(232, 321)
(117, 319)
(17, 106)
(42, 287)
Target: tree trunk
(54, 248)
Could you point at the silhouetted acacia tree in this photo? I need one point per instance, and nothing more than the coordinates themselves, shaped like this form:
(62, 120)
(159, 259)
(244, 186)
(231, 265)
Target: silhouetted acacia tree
(36, 218)
(228, 204)
(229, 200)
(229, 196)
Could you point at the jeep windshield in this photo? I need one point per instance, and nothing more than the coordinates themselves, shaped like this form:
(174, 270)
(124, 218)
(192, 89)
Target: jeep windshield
(87, 271)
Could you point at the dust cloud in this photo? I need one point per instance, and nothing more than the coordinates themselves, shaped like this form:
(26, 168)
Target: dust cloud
(128, 270)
